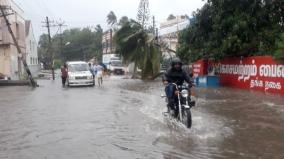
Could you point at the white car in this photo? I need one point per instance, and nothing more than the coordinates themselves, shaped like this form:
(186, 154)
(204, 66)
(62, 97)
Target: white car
(79, 74)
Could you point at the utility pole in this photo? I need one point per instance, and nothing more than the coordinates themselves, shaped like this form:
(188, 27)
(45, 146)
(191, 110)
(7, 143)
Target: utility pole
(111, 41)
(61, 24)
(157, 33)
(154, 25)
(4, 15)
(177, 25)
(47, 22)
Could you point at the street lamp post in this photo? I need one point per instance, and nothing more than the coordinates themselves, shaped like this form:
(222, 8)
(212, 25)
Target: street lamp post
(63, 56)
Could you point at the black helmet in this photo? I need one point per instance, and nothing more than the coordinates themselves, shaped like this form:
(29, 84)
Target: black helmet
(175, 61)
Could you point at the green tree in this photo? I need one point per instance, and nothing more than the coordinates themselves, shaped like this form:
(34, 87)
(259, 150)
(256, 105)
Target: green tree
(233, 28)
(44, 50)
(83, 44)
(194, 41)
(138, 46)
(279, 53)
(171, 17)
(98, 29)
(111, 18)
(123, 20)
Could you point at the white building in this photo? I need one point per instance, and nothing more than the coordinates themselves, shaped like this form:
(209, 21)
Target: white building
(31, 49)
(10, 62)
(169, 32)
(108, 46)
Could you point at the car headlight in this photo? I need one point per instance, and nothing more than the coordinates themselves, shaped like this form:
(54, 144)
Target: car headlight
(184, 93)
(89, 77)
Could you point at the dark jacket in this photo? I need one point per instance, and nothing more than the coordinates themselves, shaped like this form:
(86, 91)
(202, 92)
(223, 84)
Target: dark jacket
(177, 76)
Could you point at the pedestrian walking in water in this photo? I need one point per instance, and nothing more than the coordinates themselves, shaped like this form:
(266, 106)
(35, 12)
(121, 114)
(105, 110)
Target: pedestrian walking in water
(92, 70)
(99, 73)
(105, 71)
(64, 74)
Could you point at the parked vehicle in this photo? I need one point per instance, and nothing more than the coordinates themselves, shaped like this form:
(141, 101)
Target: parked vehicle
(182, 105)
(79, 74)
(116, 67)
(3, 77)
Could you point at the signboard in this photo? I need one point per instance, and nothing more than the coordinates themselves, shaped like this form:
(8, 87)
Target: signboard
(261, 73)
(199, 68)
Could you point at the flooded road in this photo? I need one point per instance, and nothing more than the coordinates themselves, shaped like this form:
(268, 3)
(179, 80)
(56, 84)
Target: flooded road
(123, 119)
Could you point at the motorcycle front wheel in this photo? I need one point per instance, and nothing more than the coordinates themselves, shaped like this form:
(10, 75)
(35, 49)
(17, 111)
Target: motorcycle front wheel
(187, 120)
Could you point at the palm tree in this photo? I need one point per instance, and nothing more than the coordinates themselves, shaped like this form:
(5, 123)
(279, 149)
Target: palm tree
(138, 46)
(171, 17)
(111, 18)
(99, 29)
(123, 20)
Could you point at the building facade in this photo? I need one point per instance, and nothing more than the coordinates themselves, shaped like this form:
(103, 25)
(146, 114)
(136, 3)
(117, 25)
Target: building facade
(31, 49)
(108, 47)
(107, 42)
(169, 30)
(10, 61)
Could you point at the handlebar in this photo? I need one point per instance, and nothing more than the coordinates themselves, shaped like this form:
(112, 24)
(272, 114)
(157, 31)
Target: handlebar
(179, 86)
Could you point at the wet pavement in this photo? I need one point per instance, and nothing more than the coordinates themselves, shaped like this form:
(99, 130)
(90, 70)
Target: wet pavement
(123, 119)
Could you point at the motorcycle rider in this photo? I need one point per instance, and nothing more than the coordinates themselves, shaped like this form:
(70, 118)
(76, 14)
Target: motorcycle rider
(175, 74)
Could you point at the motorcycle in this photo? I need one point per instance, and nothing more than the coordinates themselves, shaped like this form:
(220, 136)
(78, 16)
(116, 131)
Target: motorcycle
(181, 106)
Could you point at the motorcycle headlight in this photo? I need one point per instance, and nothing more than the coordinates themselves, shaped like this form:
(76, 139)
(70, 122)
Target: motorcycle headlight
(184, 93)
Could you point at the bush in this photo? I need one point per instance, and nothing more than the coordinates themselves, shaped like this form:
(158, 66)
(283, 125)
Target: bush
(279, 53)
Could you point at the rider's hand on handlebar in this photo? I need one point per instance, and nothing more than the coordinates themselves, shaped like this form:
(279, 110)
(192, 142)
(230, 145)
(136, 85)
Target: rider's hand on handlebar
(190, 85)
(176, 93)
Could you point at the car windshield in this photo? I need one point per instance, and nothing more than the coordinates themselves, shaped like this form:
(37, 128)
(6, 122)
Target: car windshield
(78, 67)
(116, 63)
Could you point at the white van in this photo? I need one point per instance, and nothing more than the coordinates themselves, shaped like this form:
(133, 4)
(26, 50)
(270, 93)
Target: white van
(79, 74)
(116, 66)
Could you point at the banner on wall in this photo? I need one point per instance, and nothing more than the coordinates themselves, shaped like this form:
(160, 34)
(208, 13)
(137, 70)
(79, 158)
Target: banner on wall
(199, 68)
(260, 73)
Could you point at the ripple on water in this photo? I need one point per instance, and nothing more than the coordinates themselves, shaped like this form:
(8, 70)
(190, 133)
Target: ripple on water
(198, 142)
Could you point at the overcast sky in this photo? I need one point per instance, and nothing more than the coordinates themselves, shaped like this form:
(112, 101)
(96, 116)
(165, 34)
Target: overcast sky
(81, 13)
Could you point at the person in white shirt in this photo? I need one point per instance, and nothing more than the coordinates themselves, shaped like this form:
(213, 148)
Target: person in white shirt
(99, 73)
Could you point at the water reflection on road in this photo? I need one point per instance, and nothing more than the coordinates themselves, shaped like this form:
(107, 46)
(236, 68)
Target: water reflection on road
(123, 119)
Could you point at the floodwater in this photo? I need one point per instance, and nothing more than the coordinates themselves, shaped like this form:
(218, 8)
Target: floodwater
(123, 119)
